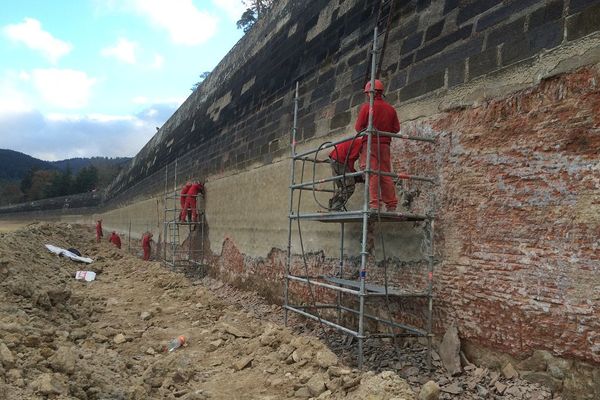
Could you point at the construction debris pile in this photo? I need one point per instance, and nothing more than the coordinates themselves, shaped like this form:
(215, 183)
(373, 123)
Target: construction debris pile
(68, 339)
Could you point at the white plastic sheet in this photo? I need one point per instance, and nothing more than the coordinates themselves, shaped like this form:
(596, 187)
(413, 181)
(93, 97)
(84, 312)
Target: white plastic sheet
(66, 253)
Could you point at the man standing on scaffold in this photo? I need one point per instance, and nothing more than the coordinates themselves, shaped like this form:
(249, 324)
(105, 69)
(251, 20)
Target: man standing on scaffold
(385, 119)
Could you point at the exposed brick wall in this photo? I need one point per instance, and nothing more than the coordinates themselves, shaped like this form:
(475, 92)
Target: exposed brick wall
(518, 222)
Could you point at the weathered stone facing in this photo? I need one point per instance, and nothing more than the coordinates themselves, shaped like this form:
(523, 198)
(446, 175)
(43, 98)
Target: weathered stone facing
(241, 115)
(229, 125)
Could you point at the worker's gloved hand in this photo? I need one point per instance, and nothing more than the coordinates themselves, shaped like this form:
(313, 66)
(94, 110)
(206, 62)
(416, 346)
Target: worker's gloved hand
(359, 179)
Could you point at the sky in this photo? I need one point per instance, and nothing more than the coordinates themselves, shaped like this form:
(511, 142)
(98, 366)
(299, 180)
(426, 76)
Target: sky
(84, 78)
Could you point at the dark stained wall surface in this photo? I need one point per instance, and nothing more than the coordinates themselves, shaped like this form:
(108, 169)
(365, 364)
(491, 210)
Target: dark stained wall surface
(241, 115)
(242, 111)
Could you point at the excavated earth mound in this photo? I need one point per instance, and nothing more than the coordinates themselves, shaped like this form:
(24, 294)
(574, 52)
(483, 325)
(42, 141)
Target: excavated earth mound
(66, 339)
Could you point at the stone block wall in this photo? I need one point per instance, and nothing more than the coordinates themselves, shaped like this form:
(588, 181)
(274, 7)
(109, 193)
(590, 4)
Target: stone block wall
(64, 203)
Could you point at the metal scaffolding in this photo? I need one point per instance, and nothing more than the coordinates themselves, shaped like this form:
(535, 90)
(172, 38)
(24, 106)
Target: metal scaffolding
(183, 248)
(348, 313)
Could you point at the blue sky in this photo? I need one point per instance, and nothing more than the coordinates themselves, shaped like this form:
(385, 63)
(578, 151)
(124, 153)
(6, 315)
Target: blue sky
(82, 78)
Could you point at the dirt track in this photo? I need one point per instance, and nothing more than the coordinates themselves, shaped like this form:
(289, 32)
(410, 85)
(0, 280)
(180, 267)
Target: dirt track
(67, 339)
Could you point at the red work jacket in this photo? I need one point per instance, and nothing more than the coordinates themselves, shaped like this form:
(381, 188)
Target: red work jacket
(183, 197)
(115, 239)
(195, 189)
(385, 119)
(347, 152)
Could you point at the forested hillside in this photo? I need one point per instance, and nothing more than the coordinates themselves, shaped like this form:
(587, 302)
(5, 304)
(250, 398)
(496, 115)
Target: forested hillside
(25, 178)
(14, 165)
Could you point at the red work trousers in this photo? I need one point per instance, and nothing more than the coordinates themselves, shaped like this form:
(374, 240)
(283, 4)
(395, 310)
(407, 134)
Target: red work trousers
(190, 205)
(182, 202)
(380, 160)
(146, 253)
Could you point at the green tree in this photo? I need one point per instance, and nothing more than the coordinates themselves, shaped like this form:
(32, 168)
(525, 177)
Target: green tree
(40, 184)
(27, 180)
(10, 193)
(86, 179)
(203, 76)
(62, 184)
(254, 11)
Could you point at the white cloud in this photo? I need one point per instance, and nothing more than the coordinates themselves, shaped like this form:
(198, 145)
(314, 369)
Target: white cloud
(63, 88)
(140, 100)
(13, 99)
(124, 50)
(158, 62)
(233, 8)
(60, 136)
(30, 33)
(185, 23)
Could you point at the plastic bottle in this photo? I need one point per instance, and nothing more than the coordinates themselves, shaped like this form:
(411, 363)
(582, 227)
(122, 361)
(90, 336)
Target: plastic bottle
(175, 343)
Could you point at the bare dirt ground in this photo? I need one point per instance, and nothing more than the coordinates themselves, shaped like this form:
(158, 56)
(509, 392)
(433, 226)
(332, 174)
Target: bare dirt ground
(8, 226)
(67, 339)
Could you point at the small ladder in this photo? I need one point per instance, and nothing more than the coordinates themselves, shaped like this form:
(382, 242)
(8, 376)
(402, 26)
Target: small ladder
(174, 241)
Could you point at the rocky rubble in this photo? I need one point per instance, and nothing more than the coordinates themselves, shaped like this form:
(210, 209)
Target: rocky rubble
(67, 339)
(465, 381)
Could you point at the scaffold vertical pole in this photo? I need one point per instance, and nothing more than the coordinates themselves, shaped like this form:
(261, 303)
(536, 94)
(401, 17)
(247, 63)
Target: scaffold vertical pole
(202, 238)
(292, 180)
(430, 257)
(166, 214)
(366, 200)
(341, 271)
(175, 227)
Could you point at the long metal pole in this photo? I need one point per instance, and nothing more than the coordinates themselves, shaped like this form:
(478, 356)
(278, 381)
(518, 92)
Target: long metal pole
(363, 252)
(302, 156)
(430, 290)
(175, 226)
(292, 180)
(323, 321)
(321, 284)
(166, 214)
(339, 295)
(353, 174)
(202, 238)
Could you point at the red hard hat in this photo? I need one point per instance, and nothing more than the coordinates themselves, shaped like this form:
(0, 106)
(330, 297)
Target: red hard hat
(378, 86)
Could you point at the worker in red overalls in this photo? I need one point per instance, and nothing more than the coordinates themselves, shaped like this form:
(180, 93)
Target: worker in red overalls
(146, 245)
(342, 159)
(385, 119)
(183, 198)
(115, 239)
(99, 230)
(190, 203)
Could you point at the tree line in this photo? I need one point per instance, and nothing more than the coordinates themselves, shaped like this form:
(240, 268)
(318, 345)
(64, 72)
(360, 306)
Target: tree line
(41, 184)
(38, 183)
